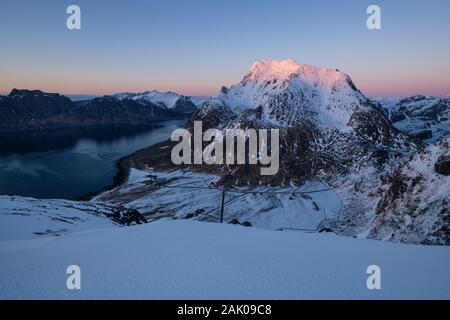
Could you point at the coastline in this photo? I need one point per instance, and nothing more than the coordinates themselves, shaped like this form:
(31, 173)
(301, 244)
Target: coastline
(138, 160)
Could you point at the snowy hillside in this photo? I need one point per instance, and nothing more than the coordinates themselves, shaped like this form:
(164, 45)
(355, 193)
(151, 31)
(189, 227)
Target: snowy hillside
(192, 260)
(406, 202)
(182, 195)
(28, 218)
(427, 118)
(415, 206)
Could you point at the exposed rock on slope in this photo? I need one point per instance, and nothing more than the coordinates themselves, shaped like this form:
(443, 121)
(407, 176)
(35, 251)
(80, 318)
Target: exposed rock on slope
(442, 165)
(415, 202)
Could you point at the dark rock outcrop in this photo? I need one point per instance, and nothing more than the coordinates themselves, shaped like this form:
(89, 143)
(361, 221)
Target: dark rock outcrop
(442, 166)
(127, 217)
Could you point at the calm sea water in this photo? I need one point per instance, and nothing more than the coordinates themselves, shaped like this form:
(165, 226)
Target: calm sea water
(70, 163)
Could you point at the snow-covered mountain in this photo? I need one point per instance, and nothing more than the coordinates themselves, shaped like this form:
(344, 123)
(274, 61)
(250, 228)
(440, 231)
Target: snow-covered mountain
(288, 92)
(331, 131)
(327, 124)
(426, 118)
(169, 100)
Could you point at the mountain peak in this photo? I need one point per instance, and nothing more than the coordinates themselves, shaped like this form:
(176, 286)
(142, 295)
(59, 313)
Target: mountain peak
(287, 91)
(16, 92)
(20, 93)
(273, 69)
(269, 70)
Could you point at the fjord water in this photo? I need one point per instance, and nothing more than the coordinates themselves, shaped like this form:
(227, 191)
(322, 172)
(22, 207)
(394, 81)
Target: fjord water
(71, 163)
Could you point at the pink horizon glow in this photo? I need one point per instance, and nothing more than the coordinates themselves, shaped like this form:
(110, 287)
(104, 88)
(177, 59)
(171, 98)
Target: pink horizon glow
(386, 85)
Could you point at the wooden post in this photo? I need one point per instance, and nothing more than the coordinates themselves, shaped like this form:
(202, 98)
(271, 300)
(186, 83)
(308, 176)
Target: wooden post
(222, 206)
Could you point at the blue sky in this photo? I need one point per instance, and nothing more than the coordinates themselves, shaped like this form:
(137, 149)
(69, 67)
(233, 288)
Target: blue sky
(196, 46)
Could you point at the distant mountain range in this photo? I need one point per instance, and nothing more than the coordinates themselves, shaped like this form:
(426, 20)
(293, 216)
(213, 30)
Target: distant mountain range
(34, 109)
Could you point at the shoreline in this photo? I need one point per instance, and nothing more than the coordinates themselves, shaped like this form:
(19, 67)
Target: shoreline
(124, 164)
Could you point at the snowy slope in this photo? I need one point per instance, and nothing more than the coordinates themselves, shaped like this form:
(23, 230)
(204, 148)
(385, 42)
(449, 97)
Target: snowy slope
(199, 100)
(415, 203)
(26, 218)
(180, 194)
(408, 202)
(192, 260)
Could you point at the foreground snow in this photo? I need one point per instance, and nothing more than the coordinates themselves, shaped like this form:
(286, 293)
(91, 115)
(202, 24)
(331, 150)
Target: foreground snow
(26, 218)
(197, 260)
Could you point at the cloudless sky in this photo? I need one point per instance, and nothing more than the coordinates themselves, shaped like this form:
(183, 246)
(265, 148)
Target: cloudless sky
(196, 46)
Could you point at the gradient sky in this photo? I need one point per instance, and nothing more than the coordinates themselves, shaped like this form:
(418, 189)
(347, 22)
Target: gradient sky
(196, 46)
